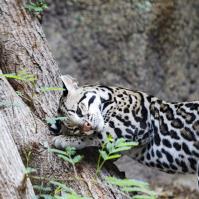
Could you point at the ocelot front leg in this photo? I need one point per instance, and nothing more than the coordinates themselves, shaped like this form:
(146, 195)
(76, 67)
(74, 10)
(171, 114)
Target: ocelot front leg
(80, 142)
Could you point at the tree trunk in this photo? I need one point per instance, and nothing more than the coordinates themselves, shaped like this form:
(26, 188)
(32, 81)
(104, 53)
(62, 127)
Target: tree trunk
(13, 182)
(22, 114)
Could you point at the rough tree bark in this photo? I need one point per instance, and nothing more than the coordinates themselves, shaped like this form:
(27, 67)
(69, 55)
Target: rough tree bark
(22, 118)
(13, 183)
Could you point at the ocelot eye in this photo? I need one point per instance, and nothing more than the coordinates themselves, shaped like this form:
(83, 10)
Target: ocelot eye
(83, 108)
(70, 113)
(79, 112)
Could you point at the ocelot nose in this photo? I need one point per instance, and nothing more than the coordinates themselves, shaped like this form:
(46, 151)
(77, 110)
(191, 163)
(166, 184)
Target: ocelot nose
(86, 127)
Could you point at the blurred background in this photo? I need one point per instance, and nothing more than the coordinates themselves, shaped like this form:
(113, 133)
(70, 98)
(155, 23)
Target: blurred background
(148, 45)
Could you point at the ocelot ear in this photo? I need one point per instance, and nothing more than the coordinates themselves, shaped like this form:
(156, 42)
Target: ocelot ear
(69, 84)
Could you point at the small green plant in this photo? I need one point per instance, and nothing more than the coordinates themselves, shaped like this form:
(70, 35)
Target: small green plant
(61, 191)
(25, 76)
(141, 189)
(70, 156)
(112, 150)
(37, 7)
(27, 172)
(66, 192)
(22, 75)
(52, 120)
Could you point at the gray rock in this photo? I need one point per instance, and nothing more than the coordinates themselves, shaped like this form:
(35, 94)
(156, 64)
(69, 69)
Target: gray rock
(148, 45)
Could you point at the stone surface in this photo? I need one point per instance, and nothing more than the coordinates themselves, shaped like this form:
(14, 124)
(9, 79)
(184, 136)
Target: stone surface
(148, 45)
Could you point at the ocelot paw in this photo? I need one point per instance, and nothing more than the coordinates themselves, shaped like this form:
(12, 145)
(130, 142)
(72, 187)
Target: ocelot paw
(61, 142)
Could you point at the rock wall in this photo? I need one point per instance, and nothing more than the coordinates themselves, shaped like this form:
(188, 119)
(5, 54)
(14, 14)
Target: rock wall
(148, 45)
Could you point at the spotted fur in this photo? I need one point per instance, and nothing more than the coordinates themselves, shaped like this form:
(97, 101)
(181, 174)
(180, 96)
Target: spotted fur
(167, 133)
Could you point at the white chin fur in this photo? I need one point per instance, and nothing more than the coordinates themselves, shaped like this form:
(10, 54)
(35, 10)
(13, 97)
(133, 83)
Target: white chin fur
(88, 132)
(100, 126)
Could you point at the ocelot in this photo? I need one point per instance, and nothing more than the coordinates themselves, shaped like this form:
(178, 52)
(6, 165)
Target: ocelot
(167, 133)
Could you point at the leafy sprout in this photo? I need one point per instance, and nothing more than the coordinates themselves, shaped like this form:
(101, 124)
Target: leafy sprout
(69, 155)
(66, 192)
(141, 189)
(22, 75)
(29, 170)
(52, 120)
(37, 7)
(112, 150)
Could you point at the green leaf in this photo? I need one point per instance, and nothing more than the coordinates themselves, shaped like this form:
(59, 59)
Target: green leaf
(11, 75)
(120, 141)
(143, 197)
(77, 159)
(70, 151)
(65, 158)
(38, 9)
(20, 76)
(110, 138)
(53, 120)
(62, 186)
(131, 144)
(42, 188)
(125, 182)
(45, 6)
(103, 154)
(44, 89)
(29, 170)
(120, 149)
(123, 142)
(19, 93)
(110, 146)
(113, 157)
(57, 151)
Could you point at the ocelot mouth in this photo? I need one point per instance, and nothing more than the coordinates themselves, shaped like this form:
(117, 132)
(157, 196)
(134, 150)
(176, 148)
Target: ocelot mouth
(83, 130)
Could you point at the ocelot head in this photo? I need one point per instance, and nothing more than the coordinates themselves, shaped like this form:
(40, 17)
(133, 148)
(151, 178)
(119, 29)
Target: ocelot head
(81, 106)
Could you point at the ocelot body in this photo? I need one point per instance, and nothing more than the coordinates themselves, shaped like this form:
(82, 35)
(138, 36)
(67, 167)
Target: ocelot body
(167, 133)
